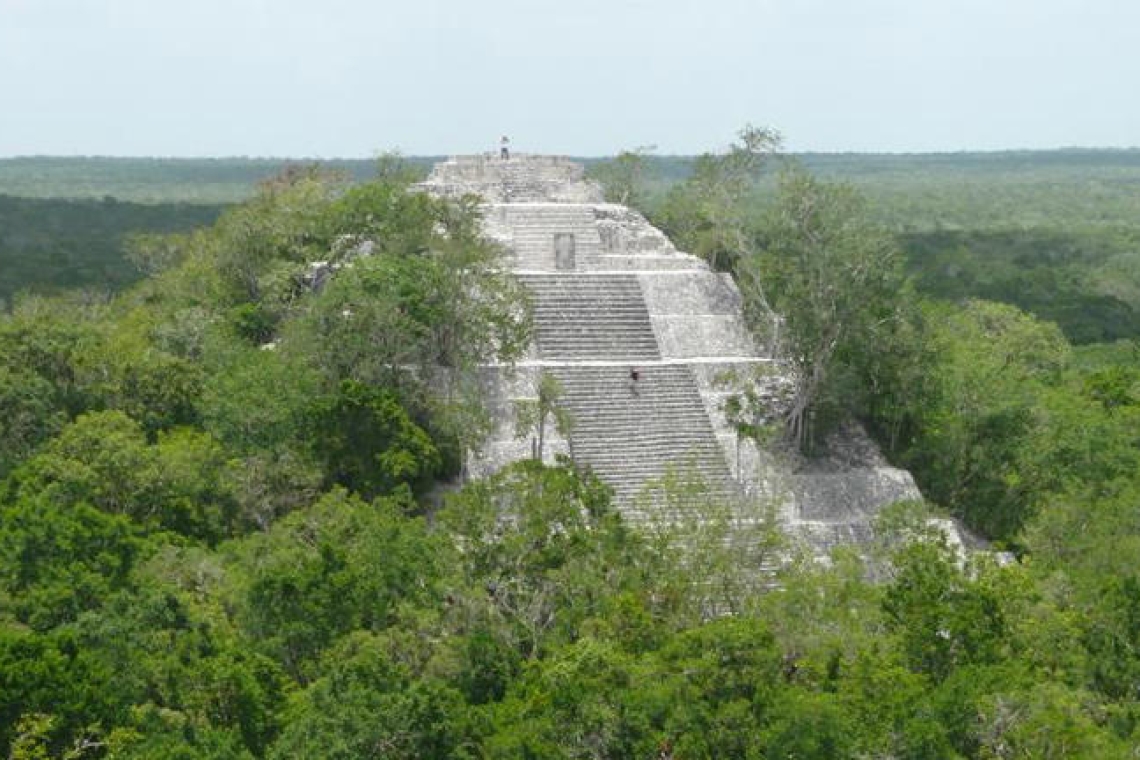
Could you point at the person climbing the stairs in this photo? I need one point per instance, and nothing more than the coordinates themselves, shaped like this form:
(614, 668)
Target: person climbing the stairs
(634, 376)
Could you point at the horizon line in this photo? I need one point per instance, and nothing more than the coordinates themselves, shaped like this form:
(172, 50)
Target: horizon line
(425, 156)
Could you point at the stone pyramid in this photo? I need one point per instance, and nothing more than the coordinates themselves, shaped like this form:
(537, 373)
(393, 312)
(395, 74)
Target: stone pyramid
(642, 336)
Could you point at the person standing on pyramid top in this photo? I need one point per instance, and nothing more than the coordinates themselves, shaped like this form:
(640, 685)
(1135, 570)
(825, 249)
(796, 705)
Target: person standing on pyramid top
(505, 148)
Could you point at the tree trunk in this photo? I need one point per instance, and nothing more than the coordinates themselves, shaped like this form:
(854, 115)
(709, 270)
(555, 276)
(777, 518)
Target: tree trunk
(541, 433)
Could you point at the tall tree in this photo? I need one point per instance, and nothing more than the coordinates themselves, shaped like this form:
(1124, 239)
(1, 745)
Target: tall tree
(534, 415)
(708, 214)
(623, 177)
(981, 444)
(832, 276)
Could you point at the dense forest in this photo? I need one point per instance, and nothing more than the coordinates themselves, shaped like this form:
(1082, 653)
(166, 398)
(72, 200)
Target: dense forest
(51, 245)
(222, 532)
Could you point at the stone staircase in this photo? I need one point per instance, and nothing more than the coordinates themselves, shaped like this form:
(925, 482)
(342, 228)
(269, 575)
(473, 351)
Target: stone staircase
(593, 325)
(633, 432)
(592, 330)
(591, 317)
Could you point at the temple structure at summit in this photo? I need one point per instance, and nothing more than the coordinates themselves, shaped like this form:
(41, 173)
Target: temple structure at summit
(643, 338)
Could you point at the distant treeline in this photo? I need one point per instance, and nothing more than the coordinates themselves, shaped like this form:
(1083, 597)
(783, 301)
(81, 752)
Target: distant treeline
(162, 180)
(51, 244)
(853, 166)
(231, 180)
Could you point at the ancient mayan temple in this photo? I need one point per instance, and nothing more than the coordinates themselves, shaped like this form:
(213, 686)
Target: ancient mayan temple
(612, 296)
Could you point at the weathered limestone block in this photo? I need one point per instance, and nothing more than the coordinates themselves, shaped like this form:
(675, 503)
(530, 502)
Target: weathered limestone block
(701, 336)
(826, 493)
(642, 262)
(690, 293)
(696, 313)
(624, 230)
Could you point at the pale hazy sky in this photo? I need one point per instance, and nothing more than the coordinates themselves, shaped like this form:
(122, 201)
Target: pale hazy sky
(584, 77)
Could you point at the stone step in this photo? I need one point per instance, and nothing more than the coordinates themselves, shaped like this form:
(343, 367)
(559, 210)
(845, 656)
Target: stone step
(581, 240)
(644, 439)
(635, 402)
(616, 333)
(600, 291)
(610, 344)
(630, 429)
(546, 211)
(668, 436)
(584, 311)
(637, 476)
(537, 221)
(591, 351)
(636, 429)
(550, 222)
(620, 457)
(581, 237)
(623, 347)
(640, 472)
(548, 227)
(603, 329)
(531, 221)
(607, 295)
